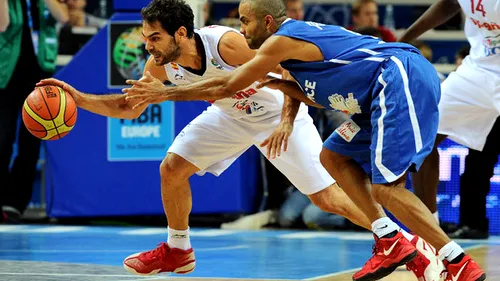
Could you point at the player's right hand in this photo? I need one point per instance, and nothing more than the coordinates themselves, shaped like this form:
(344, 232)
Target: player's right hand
(65, 86)
(278, 139)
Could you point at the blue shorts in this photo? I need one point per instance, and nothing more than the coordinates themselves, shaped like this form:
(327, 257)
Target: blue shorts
(401, 128)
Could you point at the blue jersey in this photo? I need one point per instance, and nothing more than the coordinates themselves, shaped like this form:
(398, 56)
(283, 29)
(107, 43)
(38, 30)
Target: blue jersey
(352, 62)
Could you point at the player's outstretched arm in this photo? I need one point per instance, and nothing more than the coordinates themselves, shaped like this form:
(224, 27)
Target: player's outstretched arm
(437, 14)
(112, 105)
(266, 60)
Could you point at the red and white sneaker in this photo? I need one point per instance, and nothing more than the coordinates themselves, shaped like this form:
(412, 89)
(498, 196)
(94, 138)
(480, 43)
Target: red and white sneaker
(466, 270)
(161, 259)
(426, 266)
(388, 254)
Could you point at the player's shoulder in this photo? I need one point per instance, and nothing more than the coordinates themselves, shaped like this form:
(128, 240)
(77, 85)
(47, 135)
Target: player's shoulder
(214, 30)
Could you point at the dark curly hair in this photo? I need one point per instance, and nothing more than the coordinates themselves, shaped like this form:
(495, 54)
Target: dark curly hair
(172, 14)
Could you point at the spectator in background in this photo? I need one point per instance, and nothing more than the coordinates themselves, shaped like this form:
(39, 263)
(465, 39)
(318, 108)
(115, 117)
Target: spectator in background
(295, 9)
(475, 181)
(28, 53)
(208, 18)
(365, 14)
(79, 17)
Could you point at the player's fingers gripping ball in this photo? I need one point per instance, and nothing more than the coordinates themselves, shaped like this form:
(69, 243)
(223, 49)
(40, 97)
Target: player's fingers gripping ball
(49, 113)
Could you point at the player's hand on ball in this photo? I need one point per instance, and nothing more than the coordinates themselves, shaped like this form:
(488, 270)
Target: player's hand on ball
(278, 139)
(65, 86)
(148, 90)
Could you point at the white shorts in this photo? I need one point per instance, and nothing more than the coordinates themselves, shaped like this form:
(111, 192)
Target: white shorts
(213, 141)
(469, 106)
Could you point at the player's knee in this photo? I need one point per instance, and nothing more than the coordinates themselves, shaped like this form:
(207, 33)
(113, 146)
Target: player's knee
(172, 167)
(383, 193)
(331, 161)
(328, 200)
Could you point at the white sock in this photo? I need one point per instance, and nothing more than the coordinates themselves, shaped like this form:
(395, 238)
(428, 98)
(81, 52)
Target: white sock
(436, 216)
(407, 235)
(384, 226)
(179, 239)
(450, 251)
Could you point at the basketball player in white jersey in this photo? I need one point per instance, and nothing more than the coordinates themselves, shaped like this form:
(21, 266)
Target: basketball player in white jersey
(470, 98)
(218, 136)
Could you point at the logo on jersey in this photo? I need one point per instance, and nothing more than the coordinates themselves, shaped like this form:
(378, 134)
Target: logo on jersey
(309, 89)
(174, 66)
(216, 64)
(491, 45)
(315, 24)
(347, 105)
(248, 106)
(178, 77)
(243, 104)
(489, 26)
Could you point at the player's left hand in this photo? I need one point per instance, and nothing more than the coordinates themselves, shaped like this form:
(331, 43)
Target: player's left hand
(148, 89)
(278, 139)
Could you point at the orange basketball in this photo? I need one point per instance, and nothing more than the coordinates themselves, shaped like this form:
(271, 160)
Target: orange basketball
(49, 113)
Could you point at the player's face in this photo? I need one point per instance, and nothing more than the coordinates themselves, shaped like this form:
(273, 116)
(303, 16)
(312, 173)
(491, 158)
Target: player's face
(252, 28)
(295, 10)
(161, 45)
(368, 16)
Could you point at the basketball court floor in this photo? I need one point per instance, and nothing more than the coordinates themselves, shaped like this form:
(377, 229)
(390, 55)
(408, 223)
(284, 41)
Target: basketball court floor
(77, 253)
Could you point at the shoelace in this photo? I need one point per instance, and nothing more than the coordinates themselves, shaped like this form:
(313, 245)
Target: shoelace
(160, 251)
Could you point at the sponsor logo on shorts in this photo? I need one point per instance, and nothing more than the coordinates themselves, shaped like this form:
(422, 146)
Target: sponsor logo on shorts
(348, 130)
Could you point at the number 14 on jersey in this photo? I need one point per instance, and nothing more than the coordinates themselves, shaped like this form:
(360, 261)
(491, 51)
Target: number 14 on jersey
(479, 7)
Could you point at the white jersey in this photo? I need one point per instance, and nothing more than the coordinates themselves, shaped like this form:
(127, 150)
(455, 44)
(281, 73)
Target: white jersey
(482, 28)
(251, 103)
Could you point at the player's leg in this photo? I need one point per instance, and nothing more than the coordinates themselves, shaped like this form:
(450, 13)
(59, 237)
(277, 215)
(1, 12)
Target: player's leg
(353, 179)
(405, 124)
(210, 143)
(466, 115)
(301, 165)
(426, 181)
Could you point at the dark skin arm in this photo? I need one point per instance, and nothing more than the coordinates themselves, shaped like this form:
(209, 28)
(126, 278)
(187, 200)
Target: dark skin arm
(437, 14)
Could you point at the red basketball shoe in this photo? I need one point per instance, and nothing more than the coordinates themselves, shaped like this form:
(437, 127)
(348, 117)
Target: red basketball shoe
(388, 254)
(161, 259)
(465, 270)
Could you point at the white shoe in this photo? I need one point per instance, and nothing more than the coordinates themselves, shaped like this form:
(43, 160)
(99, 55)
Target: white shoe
(426, 265)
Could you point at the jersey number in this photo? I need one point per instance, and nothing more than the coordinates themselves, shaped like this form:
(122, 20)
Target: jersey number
(479, 7)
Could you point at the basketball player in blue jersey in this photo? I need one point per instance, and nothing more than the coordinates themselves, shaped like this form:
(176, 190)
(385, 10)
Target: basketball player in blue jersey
(392, 95)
